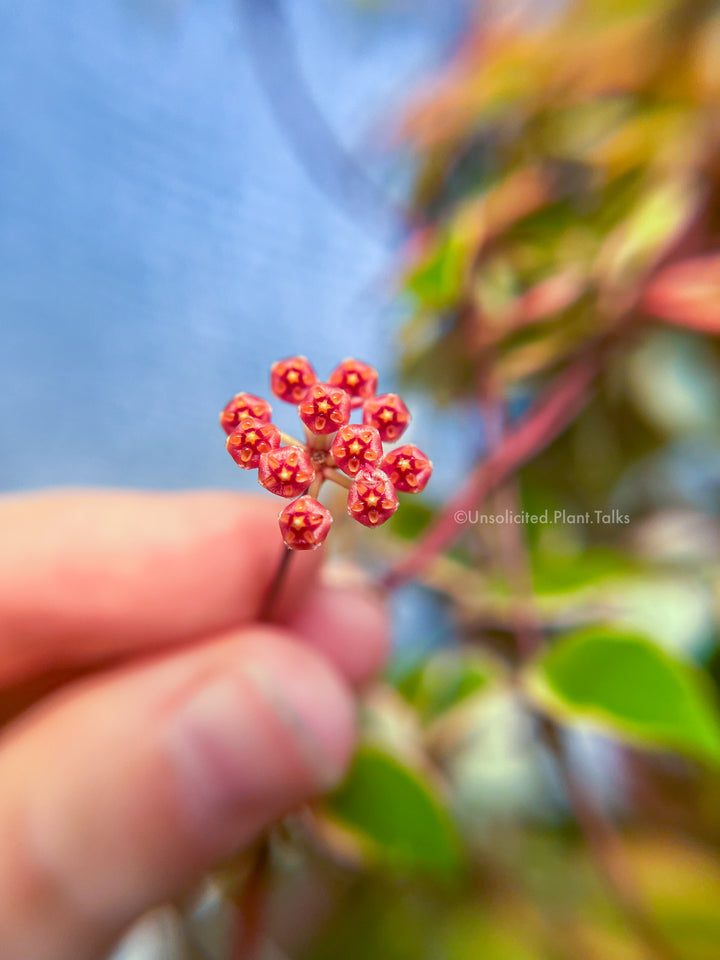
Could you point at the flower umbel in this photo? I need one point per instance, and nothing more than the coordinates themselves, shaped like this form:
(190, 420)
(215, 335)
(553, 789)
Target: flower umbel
(297, 470)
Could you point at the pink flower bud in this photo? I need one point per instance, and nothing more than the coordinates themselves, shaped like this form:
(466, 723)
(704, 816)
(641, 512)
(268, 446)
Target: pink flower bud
(325, 408)
(250, 440)
(356, 447)
(241, 406)
(291, 379)
(372, 499)
(388, 414)
(408, 468)
(357, 379)
(304, 524)
(286, 472)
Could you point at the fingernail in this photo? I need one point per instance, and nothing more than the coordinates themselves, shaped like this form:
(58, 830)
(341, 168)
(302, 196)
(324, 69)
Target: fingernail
(261, 741)
(308, 720)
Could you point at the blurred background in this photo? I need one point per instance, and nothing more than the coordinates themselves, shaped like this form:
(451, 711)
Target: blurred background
(180, 209)
(513, 212)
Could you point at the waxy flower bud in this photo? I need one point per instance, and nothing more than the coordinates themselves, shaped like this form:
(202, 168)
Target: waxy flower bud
(356, 447)
(291, 379)
(357, 379)
(304, 524)
(372, 499)
(286, 472)
(241, 406)
(388, 414)
(250, 440)
(408, 468)
(325, 408)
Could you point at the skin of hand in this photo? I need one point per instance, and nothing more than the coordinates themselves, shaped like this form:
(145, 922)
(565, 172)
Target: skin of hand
(151, 725)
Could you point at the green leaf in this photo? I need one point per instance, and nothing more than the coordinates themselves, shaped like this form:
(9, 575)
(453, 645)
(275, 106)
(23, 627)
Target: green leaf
(555, 572)
(399, 814)
(437, 281)
(446, 680)
(647, 232)
(412, 520)
(473, 932)
(380, 916)
(631, 688)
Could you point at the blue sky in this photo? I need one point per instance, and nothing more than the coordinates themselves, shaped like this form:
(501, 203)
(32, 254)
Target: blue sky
(161, 243)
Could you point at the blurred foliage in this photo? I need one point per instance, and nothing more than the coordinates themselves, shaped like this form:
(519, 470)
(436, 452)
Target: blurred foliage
(631, 687)
(561, 165)
(567, 204)
(399, 811)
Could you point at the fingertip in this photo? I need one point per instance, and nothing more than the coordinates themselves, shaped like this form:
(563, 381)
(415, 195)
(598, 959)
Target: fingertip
(93, 576)
(347, 624)
(124, 790)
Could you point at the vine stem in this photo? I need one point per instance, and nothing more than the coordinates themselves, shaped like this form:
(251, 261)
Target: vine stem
(247, 943)
(600, 837)
(516, 562)
(606, 849)
(548, 417)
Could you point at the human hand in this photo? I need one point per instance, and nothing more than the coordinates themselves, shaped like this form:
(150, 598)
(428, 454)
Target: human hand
(152, 725)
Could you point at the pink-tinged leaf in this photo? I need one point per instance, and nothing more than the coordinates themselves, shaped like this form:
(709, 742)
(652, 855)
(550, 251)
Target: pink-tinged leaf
(687, 294)
(548, 297)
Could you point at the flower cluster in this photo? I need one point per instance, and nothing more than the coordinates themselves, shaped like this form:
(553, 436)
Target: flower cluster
(350, 454)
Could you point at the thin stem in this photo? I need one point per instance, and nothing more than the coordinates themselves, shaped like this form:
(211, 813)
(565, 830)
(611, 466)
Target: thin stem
(267, 609)
(513, 549)
(318, 441)
(289, 441)
(336, 477)
(251, 907)
(314, 489)
(549, 416)
(607, 852)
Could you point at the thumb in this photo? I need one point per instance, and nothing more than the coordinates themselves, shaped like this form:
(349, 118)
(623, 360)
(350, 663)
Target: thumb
(121, 792)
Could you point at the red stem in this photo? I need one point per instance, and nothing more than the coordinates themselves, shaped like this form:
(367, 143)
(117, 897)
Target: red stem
(606, 849)
(267, 608)
(549, 416)
(251, 908)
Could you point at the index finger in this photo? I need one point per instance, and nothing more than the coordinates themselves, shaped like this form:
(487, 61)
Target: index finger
(89, 576)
